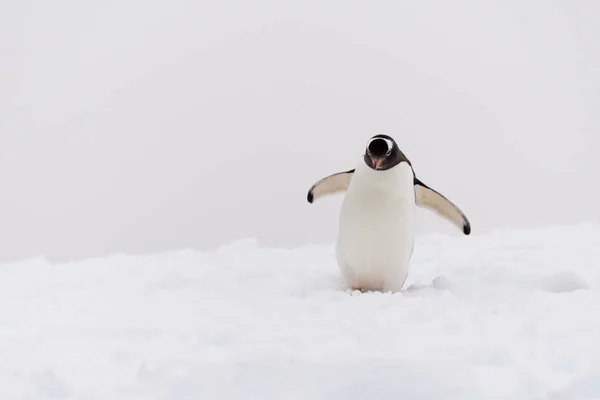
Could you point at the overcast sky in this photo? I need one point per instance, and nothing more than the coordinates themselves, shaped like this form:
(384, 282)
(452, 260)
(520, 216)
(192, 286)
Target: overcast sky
(134, 126)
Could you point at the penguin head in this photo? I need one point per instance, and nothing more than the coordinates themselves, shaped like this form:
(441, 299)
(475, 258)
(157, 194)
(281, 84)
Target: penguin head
(382, 153)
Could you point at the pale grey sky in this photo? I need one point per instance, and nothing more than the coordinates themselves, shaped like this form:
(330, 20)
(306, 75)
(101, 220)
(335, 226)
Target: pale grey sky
(133, 126)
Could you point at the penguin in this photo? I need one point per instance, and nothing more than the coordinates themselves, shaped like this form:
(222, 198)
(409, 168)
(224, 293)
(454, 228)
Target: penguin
(377, 219)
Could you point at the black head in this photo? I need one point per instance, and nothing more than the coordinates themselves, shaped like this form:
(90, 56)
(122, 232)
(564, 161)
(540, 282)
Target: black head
(382, 153)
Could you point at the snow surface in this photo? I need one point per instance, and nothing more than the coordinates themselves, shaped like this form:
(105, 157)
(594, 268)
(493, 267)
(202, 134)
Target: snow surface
(506, 315)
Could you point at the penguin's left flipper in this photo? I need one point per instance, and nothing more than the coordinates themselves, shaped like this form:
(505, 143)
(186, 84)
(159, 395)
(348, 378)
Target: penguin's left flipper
(426, 197)
(332, 184)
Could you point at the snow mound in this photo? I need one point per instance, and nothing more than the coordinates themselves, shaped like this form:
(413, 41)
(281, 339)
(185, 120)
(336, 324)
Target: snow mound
(565, 281)
(507, 315)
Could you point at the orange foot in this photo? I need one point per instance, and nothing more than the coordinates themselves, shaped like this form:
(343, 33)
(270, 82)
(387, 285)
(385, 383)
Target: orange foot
(359, 289)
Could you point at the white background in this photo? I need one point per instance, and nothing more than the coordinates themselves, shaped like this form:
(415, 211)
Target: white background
(140, 127)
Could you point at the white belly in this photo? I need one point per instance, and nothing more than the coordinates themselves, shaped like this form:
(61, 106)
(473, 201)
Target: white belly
(377, 228)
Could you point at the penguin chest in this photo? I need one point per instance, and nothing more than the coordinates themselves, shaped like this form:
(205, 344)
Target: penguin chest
(376, 238)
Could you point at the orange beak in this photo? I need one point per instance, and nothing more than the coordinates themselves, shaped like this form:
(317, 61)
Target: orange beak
(378, 163)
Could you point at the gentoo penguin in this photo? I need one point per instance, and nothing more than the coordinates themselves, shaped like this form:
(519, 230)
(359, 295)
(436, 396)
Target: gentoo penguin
(376, 230)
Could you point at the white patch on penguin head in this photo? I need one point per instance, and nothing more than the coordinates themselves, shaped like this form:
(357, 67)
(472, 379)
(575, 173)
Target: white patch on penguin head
(380, 146)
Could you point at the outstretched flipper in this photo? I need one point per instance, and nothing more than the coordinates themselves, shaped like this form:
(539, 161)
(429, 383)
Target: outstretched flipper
(332, 184)
(426, 197)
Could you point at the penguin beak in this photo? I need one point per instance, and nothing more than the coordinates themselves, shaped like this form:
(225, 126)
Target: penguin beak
(376, 162)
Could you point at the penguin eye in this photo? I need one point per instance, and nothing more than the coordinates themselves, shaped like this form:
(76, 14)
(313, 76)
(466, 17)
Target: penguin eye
(387, 153)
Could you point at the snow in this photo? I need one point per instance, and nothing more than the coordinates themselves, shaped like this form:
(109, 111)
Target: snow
(503, 315)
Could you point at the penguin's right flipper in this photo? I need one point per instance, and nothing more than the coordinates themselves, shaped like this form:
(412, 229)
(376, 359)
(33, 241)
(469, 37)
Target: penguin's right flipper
(428, 198)
(332, 184)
